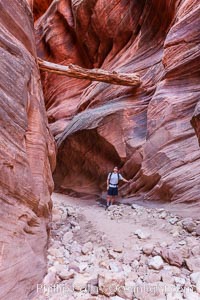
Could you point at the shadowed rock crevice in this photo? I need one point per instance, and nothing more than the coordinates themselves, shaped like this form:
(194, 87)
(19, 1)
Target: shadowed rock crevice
(84, 159)
(39, 7)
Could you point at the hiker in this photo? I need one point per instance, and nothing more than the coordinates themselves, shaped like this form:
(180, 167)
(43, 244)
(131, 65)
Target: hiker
(112, 185)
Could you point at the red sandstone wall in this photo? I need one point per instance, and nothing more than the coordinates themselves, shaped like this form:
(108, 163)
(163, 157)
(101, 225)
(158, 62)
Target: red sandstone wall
(27, 157)
(97, 125)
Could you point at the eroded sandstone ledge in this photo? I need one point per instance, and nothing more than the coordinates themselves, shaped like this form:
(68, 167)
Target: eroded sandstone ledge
(27, 155)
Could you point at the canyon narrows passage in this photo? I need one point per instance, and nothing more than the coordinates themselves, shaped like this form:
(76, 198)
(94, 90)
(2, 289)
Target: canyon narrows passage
(150, 129)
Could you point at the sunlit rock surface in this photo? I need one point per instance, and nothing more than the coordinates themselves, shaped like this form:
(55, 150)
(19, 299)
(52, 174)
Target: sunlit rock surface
(146, 131)
(27, 157)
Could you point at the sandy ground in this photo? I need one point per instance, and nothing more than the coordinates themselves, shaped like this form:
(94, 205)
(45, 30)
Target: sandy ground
(120, 227)
(118, 231)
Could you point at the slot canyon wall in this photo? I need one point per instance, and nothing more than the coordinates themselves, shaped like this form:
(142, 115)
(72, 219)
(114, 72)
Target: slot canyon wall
(27, 157)
(146, 131)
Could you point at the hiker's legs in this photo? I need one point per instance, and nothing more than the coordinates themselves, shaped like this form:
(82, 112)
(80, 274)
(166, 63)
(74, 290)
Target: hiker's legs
(108, 200)
(112, 200)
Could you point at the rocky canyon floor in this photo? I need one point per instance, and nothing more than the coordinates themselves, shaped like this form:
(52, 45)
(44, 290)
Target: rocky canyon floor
(125, 252)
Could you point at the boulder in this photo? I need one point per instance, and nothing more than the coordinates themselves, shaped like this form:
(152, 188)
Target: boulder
(196, 250)
(66, 275)
(198, 230)
(172, 257)
(81, 282)
(189, 225)
(195, 277)
(167, 276)
(109, 283)
(131, 255)
(50, 278)
(156, 263)
(193, 264)
(87, 248)
(148, 249)
(152, 277)
(142, 234)
(67, 238)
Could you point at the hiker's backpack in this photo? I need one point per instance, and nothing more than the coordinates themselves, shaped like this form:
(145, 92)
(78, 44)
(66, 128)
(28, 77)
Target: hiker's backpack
(111, 175)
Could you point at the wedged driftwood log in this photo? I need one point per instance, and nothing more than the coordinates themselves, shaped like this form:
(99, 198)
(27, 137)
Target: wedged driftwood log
(91, 74)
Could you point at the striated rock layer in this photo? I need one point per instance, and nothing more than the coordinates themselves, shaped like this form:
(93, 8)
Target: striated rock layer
(27, 157)
(147, 130)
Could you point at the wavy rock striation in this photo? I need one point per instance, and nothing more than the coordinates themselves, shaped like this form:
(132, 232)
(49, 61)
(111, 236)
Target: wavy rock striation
(147, 130)
(27, 157)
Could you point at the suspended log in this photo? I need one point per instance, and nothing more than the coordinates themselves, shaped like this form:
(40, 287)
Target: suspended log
(90, 74)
